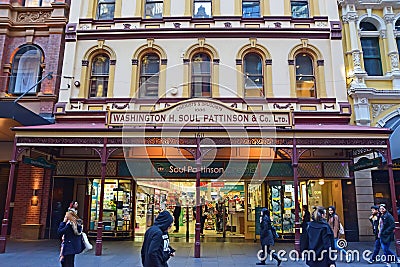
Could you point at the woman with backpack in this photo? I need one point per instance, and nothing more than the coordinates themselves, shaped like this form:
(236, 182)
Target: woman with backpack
(267, 232)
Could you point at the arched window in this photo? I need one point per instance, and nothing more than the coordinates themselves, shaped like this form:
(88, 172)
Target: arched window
(300, 9)
(251, 8)
(305, 77)
(105, 9)
(26, 70)
(202, 9)
(149, 75)
(99, 76)
(370, 48)
(37, 2)
(253, 71)
(201, 75)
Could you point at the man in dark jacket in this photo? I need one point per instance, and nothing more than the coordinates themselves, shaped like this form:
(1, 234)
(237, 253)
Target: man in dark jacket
(386, 227)
(319, 240)
(374, 219)
(177, 214)
(156, 249)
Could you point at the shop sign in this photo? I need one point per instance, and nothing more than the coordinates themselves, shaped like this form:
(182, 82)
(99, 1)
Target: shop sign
(39, 162)
(238, 188)
(199, 112)
(217, 184)
(366, 163)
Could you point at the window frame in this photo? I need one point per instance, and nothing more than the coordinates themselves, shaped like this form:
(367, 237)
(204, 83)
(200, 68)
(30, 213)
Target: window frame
(253, 86)
(16, 70)
(371, 60)
(298, 2)
(202, 75)
(151, 2)
(299, 76)
(251, 14)
(40, 3)
(105, 78)
(105, 3)
(147, 76)
(210, 2)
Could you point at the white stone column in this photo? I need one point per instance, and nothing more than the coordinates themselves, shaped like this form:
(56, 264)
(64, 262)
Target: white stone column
(364, 199)
(393, 54)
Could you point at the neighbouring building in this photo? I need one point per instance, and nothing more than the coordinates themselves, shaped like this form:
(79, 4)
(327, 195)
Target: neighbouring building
(249, 96)
(31, 52)
(371, 45)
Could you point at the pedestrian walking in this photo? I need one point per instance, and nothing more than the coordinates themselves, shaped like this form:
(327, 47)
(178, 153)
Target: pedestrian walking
(267, 237)
(374, 219)
(177, 214)
(385, 234)
(319, 239)
(72, 244)
(156, 249)
(334, 223)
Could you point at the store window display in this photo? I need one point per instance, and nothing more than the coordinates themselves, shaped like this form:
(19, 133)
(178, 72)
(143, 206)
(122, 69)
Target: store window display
(117, 207)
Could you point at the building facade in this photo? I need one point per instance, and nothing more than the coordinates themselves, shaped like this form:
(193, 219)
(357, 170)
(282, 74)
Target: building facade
(371, 45)
(31, 52)
(231, 106)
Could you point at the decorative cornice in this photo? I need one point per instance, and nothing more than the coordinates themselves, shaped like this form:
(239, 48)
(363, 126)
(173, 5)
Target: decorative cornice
(372, 93)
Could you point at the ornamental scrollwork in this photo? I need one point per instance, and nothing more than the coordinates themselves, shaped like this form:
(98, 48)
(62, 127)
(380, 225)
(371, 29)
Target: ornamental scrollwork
(394, 60)
(356, 60)
(33, 16)
(377, 109)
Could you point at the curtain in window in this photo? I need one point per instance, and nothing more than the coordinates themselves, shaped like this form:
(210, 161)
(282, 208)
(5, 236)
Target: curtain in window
(154, 9)
(372, 56)
(105, 9)
(300, 9)
(26, 70)
(253, 71)
(251, 8)
(201, 75)
(305, 79)
(149, 75)
(99, 76)
(202, 9)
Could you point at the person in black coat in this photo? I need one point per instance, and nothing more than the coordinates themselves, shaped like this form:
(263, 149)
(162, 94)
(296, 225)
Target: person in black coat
(156, 250)
(177, 214)
(71, 230)
(386, 227)
(374, 219)
(319, 240)
(266, 237)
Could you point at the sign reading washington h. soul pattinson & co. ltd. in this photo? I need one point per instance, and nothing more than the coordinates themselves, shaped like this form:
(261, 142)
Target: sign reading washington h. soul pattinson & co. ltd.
(199, 112)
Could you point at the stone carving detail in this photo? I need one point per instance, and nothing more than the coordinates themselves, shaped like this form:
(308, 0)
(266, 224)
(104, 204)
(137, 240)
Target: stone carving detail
(321, 24)
(377, 109)
(357, 60)
(389, 18)
(394, 60)
(33, 16)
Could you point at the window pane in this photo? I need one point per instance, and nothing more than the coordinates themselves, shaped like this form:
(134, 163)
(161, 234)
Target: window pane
(149, 68)
(99, 77)
(397, 25)
(154, 10)
(106, 9)
(372, 56)
(26, 70)
(300, 9)
(38, 2)
(305, 80)
(253, 71)
(202, 9)
(201, 75)
(367, 26)
(398, 45)
(251, 9)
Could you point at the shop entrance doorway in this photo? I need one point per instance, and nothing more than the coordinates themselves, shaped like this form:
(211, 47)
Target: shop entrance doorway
(222, 207)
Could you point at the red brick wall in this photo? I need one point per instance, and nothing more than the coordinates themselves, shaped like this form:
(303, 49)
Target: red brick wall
(29, 178)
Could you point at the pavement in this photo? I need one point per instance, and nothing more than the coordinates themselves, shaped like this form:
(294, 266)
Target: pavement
(214, 253)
